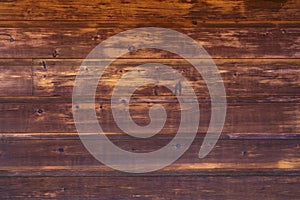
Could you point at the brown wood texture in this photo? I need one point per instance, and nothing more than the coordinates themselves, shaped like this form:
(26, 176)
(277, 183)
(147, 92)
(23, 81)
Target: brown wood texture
(256, 47)
(241, 77)
(142, 12)
(199, 187)
(242, 117)
(219, 42)
(65, 152)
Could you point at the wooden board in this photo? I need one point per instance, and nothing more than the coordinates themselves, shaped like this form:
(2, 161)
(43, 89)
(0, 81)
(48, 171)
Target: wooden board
(218, 42)
(182, 187)
(118, 12)
(241, 77)
(32, 153)
(242, 117)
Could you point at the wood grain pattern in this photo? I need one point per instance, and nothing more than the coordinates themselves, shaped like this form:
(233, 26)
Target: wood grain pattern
(242, 117)
(254, 43)
(242, 77)
(66, 152)
(119, 11)
(16, 78)
(57, 24)
(198, 187)
(219, 42)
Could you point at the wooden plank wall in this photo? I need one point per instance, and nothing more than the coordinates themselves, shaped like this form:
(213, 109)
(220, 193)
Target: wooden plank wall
(256, 46)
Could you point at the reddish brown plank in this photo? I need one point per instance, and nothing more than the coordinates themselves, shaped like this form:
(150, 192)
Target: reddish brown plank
(145, 12)
(197, 187)
(219, 42)
(36, 155)
(241, 77)
(242, 117)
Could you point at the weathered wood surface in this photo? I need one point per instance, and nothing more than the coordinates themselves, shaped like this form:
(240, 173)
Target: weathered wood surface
(198, 187)
(219, 42)
(255, 45)
(122, 12)
(242, 117)
(66, 152)
(16, 78)
(241, 77)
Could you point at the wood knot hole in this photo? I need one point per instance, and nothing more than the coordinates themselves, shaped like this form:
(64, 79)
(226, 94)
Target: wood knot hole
(40, 111)
(61, 149)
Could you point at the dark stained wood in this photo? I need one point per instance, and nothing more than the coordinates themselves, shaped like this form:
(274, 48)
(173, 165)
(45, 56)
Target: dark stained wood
(74, 136)
(219, 42)
(33, 154)
(241, 77)
(123, 12)
(242, 117)
(255, 44)
(16, 78)
(182, 187)
(152, 23)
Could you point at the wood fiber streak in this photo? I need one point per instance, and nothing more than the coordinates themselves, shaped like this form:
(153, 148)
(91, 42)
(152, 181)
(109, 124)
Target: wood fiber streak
(283, 24)
(16, 78)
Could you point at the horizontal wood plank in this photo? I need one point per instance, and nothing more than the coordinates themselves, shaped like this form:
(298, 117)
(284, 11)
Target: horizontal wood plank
(59, 156)
(196, 187)
(138, 12)
(219, 42)
(241, 77)
(242, 117)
